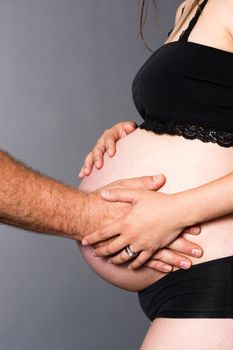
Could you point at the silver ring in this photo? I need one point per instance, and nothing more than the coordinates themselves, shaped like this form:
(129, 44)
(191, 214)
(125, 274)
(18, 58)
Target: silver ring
(129, 252)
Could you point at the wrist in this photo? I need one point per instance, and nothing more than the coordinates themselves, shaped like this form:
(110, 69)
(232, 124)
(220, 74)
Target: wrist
(187, 210)
(77, 217)
(84, 213)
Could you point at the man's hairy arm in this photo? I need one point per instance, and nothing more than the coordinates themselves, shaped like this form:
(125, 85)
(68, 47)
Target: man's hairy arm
(36, 202)
(33, 201)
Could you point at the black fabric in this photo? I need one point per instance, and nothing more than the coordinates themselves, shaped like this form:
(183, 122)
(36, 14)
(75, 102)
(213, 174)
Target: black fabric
(203, 291)
(186, 88)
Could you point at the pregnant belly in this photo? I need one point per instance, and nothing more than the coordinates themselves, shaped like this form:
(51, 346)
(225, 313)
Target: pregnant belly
(186, 164)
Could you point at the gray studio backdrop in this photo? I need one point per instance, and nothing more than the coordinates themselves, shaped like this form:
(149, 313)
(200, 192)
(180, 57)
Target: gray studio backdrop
(66, 68)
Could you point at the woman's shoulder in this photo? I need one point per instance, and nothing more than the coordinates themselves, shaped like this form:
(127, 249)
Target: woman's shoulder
(222, 12)
(226, 12)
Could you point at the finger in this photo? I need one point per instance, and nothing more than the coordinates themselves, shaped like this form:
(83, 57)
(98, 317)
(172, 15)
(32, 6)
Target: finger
(121, 131)
(81, 173)
(184, 246)
(98, 152)
(138, 183)
(120, 258)
(102, 243)
(140, 259)
(193, 230)
(112, 248)
(129, 126)
(171, 257)
(110, 146)
(103, 233)
(159, 266)
(97, 157)
(128, 196)
(88, 163)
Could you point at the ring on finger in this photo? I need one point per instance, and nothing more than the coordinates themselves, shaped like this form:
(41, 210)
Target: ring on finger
(130, 252)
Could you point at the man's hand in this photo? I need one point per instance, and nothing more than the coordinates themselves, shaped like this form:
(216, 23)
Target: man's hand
(98, 212)
(154, 221)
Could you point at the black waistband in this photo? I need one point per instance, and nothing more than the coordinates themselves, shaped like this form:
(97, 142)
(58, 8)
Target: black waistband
(203, 291)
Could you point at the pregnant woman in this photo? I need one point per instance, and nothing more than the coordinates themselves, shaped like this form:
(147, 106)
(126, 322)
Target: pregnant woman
(184, 93)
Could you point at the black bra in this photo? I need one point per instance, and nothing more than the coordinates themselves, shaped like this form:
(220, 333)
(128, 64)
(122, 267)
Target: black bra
(186, 88)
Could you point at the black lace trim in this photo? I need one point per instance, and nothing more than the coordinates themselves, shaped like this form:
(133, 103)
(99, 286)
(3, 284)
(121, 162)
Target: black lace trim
(189, 131)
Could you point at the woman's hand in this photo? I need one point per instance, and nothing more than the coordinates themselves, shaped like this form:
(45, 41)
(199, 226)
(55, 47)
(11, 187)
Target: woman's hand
(154, 221)
(174, 255)
(106, 142)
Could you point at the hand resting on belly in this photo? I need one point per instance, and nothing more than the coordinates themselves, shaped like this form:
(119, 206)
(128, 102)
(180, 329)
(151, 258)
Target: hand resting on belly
(184, 163)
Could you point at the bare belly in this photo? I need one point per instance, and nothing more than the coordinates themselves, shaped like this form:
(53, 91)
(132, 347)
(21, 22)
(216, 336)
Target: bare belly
(186, 164)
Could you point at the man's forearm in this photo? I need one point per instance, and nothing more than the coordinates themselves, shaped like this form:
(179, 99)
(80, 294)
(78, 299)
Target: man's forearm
(35, 202)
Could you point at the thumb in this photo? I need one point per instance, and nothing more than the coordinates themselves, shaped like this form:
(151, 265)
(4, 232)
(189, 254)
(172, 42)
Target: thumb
(128, 196)
(138, 183)
(150, 182)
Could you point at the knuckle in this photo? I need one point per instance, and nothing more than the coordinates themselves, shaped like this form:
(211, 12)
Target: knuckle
(144, 245)
(142, 180)
(88, 157)
(96, 151)
(114, 260)
(96, 157)
(186, 246)
(100, 234)
(109, 250)
(160, 265)
(140, 260)
(100, 144)
(159, 254)
(145, 181)
(154, 263)
(120, 184)
(106, 132)
(109, 142)
(118, 125)
(176, 260)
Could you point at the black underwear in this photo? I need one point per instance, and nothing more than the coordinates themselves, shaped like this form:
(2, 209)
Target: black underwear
(203, 291)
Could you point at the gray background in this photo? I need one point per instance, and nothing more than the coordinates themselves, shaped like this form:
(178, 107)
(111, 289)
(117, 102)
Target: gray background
(66, 69)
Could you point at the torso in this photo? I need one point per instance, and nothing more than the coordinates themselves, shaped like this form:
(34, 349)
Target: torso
(185, 163)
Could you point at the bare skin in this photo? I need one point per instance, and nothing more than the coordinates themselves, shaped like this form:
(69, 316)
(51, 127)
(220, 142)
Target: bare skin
(36, 202)
(186, 164)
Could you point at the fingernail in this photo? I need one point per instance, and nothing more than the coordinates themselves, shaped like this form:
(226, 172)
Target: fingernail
(84, 242)
(196, 252)
(109, 261)
(185, 264)
(130, 268)
(157, 177)
(94, 253)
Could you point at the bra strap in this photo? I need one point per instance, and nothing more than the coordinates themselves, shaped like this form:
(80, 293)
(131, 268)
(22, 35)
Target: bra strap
(185, 34)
